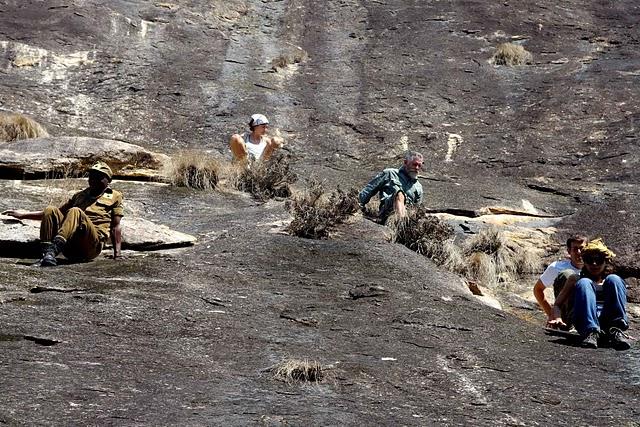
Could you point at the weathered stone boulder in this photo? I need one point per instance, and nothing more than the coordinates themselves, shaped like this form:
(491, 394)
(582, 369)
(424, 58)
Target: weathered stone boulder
(19, 238)
(143, 235)
(71, 156)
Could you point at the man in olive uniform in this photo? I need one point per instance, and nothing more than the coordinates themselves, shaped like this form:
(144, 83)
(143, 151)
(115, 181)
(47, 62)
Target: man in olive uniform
(81, 226)
(395, 188)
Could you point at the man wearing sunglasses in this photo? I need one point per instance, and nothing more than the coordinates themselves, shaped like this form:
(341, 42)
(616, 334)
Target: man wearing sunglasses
(556, 275)
(599, 299)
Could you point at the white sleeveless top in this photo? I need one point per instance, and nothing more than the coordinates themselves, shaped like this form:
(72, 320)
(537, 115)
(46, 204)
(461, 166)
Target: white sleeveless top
(255, 150)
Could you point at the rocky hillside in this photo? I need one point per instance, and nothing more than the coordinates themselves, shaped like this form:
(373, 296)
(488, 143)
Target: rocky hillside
(187, 337)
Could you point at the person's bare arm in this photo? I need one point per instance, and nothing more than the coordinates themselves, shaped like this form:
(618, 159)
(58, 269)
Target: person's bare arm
(273, 144)
(238, 147)
(116, 236)
(399, 205)
(538, 292)
(563, 296)
(20, 214)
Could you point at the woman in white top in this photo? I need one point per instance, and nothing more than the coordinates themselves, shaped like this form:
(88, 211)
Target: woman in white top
(254, 144)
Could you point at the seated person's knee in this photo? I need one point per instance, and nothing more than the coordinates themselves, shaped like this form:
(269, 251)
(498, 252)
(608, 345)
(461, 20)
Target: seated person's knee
(584, 284)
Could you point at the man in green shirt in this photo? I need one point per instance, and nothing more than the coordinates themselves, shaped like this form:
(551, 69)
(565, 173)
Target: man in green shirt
(395, 187)
(81, 226)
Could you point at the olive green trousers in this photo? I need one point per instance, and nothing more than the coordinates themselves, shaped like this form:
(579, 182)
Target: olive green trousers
(82, 239)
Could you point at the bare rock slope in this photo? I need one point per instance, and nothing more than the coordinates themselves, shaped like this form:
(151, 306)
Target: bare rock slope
(188, 336)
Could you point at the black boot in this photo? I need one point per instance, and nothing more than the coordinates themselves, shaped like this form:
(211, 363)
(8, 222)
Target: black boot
(51, 250)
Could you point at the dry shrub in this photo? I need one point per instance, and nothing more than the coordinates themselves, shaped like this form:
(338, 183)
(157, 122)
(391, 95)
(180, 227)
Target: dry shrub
(481, 268)
(314, 214)
(427, 235)
(296, 56)
(493, 258)
(450, 256)
(193, 169)
(268, 179)
(18, 126)
(370, 211)
(298, 371)
(511, 54)
(489, 257)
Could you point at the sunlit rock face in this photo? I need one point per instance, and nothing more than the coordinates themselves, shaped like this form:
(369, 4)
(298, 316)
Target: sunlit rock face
(63, 157)
(188, 336)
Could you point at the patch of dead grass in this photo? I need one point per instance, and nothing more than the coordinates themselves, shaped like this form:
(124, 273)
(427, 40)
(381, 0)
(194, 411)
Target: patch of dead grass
(489, 258)
(315, 213)
(493, 258)
(265, 180)
(428, 235)
(295, 56)
(19, 126)
(193, 169)
(419, 230)
(294, 371)
(511, 54)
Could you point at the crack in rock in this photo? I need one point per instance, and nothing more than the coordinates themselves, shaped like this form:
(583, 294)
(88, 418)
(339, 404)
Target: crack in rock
(38, 340)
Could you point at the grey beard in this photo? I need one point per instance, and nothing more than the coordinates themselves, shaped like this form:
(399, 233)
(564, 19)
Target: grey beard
(412, 175)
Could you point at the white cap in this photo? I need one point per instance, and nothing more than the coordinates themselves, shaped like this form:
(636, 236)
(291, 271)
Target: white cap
(258, 119)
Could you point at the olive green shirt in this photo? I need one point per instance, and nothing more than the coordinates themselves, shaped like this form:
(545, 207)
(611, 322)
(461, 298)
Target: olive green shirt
(100, 210)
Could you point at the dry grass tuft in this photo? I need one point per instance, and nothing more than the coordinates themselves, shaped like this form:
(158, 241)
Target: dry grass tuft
(266, 180)
(193, 169)
(18, 126)
(425, 234)
(493, 258)
(296, 56)
(315, 213)
(489, 258)
(511, 54)
(298, 371)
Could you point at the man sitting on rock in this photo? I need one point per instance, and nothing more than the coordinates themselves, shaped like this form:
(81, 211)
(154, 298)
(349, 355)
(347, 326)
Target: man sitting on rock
(557, 274)
(81, 226)
(395, 188)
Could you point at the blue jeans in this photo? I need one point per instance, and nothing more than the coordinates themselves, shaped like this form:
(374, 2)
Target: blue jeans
(585, 310)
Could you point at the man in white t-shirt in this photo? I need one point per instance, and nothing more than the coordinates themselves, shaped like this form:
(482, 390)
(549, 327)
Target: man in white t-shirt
(557, 273)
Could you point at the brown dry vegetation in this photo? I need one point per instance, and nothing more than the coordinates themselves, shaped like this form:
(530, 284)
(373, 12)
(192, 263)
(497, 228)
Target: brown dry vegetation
(420, 231)
(430, 236)
(296, 56)
(193, 169)
(265, 180)
(488, 258)
(19, 126)
(493, 258)
(315, 213)
(511, 54)
(298, 371)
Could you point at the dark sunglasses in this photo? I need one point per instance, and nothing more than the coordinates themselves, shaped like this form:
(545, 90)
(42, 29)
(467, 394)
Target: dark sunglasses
(594, 259)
